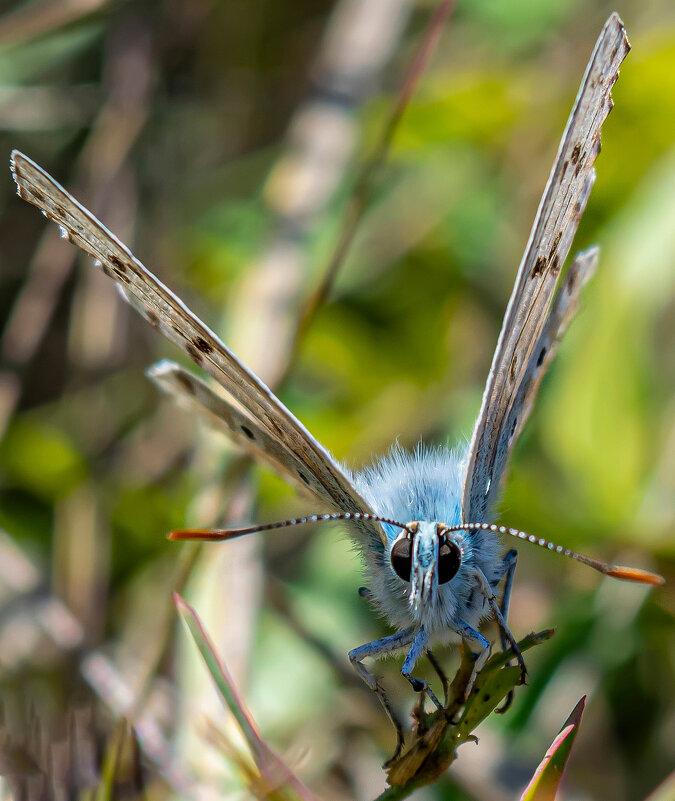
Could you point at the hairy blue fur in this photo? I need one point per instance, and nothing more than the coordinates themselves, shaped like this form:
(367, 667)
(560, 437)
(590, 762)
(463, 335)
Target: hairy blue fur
(425, 484)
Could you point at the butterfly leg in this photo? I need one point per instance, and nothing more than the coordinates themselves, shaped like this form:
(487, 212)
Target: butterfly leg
(477, 645)
(418, 712)
(416, 649)
(509, 562)
(435, 664)
(380, 648)
(504, 629)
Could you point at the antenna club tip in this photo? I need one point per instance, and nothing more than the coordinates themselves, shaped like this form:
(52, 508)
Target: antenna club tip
(180, 535)
(636, 575)
(193, 534)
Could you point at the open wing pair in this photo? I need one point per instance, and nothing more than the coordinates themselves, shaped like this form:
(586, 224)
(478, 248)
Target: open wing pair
(535, 319)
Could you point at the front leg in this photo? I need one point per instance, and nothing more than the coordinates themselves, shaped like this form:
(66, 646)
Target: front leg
(364, 592)
(477, 645)
(509, 564)
(416, 649)
(381, 647)
(504, 629)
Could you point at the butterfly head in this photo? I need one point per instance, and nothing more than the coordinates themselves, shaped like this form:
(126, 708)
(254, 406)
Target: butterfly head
(425, 555)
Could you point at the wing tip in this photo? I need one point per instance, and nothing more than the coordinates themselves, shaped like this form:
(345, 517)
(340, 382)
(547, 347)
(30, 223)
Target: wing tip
(161, 368)
(584, 264)
(614, 21)
(16, 157)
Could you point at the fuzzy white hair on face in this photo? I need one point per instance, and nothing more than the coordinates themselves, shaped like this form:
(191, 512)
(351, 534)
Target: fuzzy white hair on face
(425, 484)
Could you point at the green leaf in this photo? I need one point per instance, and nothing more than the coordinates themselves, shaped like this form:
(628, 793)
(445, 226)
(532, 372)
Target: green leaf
(546, 780)
(487, 695)
(665, 791)
(276, 774)
(431, 753)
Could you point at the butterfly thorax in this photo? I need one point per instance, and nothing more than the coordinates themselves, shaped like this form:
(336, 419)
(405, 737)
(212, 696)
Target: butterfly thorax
(424, 485)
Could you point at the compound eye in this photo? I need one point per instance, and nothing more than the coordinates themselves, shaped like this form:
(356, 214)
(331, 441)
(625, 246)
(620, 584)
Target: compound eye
(401, 558)
(449, 560)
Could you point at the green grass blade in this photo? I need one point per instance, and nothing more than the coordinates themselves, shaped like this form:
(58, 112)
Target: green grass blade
(546, 780)
(273, 770)
(665, 791)
(221, 676)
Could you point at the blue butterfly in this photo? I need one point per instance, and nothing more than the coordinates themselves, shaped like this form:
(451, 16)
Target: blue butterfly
(434, 560)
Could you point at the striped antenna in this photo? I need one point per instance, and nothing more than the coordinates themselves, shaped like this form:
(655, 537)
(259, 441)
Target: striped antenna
(634, 574)
(219, 534)
(615, 571)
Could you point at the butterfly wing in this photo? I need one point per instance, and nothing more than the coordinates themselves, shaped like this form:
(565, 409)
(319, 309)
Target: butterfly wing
(195, 395)
(564, 308)
(311, 463)
(529, 310)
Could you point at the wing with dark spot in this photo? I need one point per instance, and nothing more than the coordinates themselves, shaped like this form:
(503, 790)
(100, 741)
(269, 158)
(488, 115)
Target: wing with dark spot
(529, 309)
(312, 463)
(196, 395)
(565, 306)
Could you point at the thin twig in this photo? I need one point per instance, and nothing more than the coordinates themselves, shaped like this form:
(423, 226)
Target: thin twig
(366, 177)
(433, 752)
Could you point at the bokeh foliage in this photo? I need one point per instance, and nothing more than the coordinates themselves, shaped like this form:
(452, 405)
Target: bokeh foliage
(189, 103)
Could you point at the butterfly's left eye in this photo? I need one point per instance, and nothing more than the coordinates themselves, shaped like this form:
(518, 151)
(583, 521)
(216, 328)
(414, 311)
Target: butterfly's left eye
(449, 560)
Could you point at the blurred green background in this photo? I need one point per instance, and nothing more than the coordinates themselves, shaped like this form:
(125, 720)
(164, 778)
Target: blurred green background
(222, 141)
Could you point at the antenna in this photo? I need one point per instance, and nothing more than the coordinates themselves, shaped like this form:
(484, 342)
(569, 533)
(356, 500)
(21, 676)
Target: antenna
(634, 574)
(220, 534)
(615, 571)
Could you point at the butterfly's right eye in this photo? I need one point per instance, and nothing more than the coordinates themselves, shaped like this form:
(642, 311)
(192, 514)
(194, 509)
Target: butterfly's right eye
(401, 558)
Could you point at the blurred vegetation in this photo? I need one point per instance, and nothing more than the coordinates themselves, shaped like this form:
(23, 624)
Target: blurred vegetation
(169, 120)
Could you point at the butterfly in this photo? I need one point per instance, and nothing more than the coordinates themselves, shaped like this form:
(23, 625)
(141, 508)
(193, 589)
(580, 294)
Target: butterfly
(423, 520)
